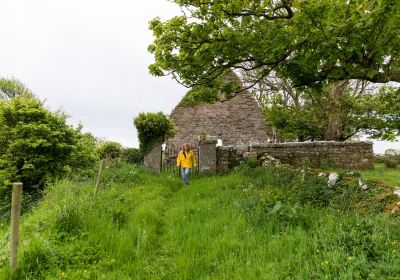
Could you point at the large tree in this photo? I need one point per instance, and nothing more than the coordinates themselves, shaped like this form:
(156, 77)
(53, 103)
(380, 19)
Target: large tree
(337, 112)
(310, 42)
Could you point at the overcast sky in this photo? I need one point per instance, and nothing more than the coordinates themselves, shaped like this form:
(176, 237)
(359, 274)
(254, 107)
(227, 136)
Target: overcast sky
(89, 58)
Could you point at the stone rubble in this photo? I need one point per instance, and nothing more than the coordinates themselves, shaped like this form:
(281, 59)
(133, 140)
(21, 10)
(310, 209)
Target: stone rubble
(266, 160)
(396, 209)
(362, 184)
(332, 179)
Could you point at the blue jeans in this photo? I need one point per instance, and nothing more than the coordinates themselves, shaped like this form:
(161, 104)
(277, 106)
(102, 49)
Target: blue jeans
(185, 175)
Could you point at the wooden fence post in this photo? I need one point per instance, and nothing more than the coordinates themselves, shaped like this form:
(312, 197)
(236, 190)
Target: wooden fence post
(96, 189)
(15, 215)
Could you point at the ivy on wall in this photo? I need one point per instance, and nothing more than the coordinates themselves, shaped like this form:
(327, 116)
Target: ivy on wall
(218, 90)
(153, 128)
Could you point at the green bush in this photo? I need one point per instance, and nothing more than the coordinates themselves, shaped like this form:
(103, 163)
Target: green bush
(109, 149)
(37, 145)
(391, 158)
(153, 128)
(390, 163)
(132, 155)
(84, 154)
(252, 162)
(393, 153)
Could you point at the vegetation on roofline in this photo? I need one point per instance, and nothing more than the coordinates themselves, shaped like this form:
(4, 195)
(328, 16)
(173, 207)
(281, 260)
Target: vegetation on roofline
(153, 128)
(219, 90)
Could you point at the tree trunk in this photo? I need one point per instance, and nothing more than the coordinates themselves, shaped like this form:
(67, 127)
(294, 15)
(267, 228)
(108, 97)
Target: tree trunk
(335, 100)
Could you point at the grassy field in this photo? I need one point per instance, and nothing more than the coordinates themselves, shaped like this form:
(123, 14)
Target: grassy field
(262, 223)
(390, 176)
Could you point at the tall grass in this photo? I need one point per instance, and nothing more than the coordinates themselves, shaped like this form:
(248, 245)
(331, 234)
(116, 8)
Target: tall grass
(256, 223)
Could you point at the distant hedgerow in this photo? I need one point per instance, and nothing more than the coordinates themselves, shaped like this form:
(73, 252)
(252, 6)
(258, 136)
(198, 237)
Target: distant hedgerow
(132, 155)
(110, 149)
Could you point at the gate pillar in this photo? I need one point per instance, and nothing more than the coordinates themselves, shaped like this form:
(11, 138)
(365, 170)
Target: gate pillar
(154, 157)
(207, 154)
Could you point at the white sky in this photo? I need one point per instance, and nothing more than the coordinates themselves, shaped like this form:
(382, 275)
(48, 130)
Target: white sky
(89, 58)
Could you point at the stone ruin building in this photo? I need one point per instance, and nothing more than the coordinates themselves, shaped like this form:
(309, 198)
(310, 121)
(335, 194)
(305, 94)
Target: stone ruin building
(235, 121)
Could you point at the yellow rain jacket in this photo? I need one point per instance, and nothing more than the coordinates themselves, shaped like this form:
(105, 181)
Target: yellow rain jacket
(188, 161)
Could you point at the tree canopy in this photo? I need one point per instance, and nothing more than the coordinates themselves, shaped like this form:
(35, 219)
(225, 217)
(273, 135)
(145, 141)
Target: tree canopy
(305, 115)
(308, 41)
(10, 88)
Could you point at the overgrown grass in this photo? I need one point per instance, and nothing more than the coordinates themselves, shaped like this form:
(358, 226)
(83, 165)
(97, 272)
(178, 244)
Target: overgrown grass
(256, 223)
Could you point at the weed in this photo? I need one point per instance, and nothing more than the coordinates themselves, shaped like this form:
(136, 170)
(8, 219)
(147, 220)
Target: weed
(252, 162)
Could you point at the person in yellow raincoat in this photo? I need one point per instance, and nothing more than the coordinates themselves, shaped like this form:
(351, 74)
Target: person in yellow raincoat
(186, 160)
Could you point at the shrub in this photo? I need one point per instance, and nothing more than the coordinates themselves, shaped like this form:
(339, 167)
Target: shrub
(391, 158)
(132, 155)
(109, 149)
(84, 154)
(393, 153)
(390, 163)
(152, 128)
(252, 162)
(36, 145)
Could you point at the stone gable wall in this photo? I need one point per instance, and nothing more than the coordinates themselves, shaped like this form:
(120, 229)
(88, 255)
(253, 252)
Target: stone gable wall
(235, 121)
(354, 155)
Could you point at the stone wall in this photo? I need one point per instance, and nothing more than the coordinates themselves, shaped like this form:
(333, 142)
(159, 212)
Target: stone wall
(153, 158)
(357, 155)
(235, 121)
